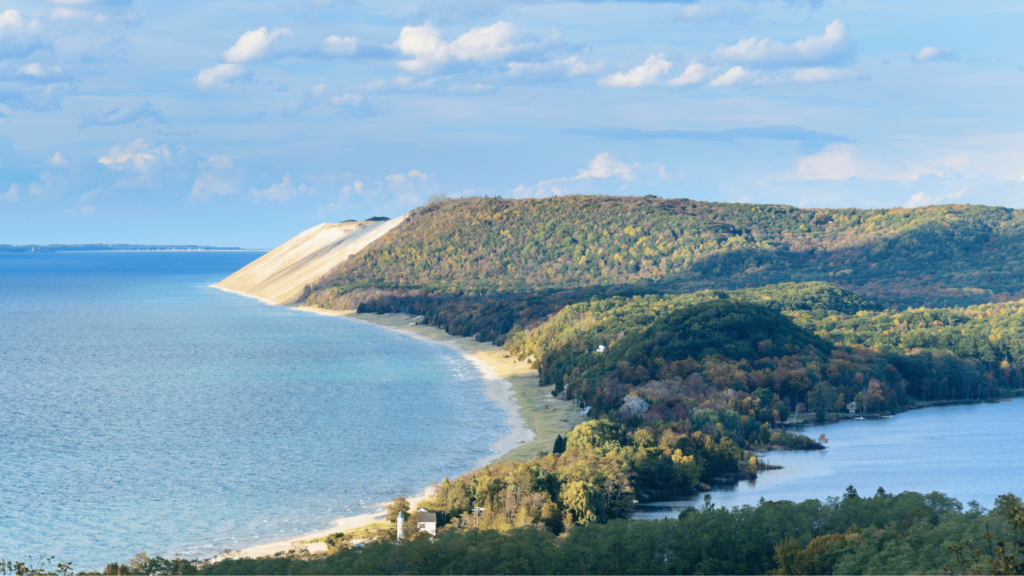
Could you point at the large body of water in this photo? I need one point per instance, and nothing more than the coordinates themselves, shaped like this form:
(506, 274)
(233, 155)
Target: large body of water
(141, 410)
(969, 452)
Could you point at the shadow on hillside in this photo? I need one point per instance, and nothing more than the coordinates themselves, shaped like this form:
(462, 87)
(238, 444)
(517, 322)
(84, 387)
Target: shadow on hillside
(932, 265)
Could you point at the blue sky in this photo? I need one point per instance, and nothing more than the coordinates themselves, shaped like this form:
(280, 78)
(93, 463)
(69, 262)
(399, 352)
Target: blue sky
(242, 123)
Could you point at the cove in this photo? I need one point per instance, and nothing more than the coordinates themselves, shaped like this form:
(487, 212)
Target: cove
(968, 452)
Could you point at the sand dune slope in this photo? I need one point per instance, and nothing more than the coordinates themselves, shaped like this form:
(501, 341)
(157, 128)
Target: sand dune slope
(279, 276)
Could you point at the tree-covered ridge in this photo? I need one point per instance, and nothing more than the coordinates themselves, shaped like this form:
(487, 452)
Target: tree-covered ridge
(992, 333)
(695, 358)
(717, 364)
(595, 476)
(931, 255)
(602, 321)
(909, 533)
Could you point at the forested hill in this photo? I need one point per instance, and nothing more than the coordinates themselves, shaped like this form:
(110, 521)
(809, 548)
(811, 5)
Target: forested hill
(932, 256)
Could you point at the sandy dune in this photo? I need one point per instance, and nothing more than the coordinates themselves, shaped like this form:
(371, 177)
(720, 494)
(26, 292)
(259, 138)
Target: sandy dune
(279, 276)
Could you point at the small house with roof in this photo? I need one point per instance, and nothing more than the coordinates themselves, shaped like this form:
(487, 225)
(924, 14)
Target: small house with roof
(426, 521)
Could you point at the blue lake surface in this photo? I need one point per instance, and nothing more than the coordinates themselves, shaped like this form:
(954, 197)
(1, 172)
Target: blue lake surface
(142, 410)
(969, 452)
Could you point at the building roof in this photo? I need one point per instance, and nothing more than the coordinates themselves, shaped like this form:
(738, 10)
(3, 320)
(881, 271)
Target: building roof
(426, 517)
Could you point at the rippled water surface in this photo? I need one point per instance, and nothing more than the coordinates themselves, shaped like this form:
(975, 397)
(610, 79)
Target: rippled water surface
(141, 410)
(969, 452)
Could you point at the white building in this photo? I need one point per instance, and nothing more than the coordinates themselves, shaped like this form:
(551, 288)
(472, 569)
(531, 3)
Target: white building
(426, 521)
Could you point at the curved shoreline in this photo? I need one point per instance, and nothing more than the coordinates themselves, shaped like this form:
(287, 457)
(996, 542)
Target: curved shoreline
(497, 389)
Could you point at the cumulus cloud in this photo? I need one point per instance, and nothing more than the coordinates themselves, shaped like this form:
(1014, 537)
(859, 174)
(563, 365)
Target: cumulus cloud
(12, 195)
(734, 75)
(37, 71)
(646, 74)
(602, 167)
(19, 36)
(429, 52)
(218, 176)
(253, 44)
(338, 46)
(933, 54)
(139, 156)
(820, 74)
(283, 190)
(40, 99)
(58, 161)
(550, 70)
(82, 210)
(136, 112)
(842, 162)
(833, 47)
(694, 73)
(220, 76)
(922, 199)
(411, 176)
(318, 96)
(699, 13)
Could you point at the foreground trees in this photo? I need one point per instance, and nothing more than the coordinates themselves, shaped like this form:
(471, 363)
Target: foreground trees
(909, 533)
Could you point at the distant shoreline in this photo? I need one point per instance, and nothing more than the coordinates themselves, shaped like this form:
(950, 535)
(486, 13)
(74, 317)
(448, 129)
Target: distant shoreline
(507, 382)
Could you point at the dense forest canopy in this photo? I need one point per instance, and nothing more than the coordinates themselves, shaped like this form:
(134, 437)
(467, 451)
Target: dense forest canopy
(908, 533)
(936, 255)
(652, 310)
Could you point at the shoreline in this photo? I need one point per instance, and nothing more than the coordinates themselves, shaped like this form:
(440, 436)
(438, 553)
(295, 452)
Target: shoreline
(509, 383)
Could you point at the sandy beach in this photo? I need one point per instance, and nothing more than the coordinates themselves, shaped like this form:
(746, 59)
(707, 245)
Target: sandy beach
(533, 416)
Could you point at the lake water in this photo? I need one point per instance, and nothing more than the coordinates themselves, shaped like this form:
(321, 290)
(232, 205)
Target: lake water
(141, 410)
(969, 452)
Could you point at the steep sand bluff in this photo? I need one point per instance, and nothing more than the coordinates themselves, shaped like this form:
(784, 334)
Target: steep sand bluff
(279, 276)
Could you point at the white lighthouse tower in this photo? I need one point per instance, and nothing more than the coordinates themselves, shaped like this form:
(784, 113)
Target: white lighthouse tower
(401, 526)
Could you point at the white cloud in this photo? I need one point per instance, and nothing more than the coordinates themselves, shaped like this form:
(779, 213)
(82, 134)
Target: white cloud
(139, 156)
(58, 161)
(82, 210)
(135, 112)
(835, 46)
(933, 54)
(285, 190)
(551, 70)
(648, 73)
(218, 176)
(694, 73)
(699, 12)
(734, 75)
(317, 96)
(253, 44)
(18, 35)
(219, 76)
(69, 14)
(411, 176)
(429, 51)
(602, 167)
(811, 75)
(38, 71)
(12, 195)
(922, 199)
(338, 46)
(842, 162)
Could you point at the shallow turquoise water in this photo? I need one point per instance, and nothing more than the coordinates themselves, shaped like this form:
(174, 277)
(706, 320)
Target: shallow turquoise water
(141, 410)
(969, 452)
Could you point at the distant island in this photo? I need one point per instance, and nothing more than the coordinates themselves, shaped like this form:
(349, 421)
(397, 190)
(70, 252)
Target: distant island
(110, 247)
